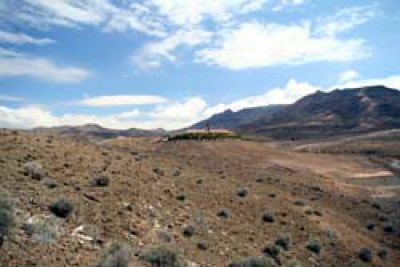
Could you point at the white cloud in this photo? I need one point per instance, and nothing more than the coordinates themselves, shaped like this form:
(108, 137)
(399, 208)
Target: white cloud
(121, 100)
(14, 64)
(68, 13)
(20, 38)
(288, 3)
(348, 76)
(253, 45)
(184, 12)
(390, 81)
(153, 54)
(171, 115)
(293, 91)
(345, 20)
(137, 17)
(11, 98)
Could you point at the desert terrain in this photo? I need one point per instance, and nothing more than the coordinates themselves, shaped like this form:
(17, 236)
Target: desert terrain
(210, 203)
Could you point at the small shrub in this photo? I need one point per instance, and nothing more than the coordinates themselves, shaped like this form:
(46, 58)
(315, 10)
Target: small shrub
(371, 226)
(223, 214)
(7, 217)
(389, 228)
(272, 251)
(101, 181)
(161, 257)
(202, 246)
(181, 197)
(357, 263)
(117, 255)
(383, 253)
(159, 171)
(283, 242)
(268, 217)
(314, 245)
(49, 183)
(253, 262)
(242, 192)
(42, 230)
(176, 173)
(365, 255)
(34, 170)
(300, 202)
(188, 231)
(61, 208)
(294, 263)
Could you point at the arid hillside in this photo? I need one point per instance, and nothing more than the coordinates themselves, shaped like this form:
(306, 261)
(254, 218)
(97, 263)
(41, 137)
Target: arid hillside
(141, 202)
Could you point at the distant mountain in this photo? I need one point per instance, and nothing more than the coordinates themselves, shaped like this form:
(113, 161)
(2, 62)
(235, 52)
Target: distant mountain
(94, 130)
(232, 120)
(338, 112)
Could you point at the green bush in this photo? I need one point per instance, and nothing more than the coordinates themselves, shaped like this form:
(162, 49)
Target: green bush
(161, 257)
(42, 229)
(294, 263)
(253, 262)
(116, 255)
(203, 136)
(7, 217)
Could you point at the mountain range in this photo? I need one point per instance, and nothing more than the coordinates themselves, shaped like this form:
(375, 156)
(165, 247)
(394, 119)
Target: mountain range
(321, 114)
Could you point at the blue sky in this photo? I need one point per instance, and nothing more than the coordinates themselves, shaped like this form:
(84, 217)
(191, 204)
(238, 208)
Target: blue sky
(169, 63)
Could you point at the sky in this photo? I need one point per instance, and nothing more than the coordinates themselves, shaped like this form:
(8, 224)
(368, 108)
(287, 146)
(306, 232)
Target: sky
(170, 63)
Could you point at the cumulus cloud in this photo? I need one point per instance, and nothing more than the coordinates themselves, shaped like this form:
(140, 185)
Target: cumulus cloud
(390, 81)
(20, 38)
(345, 20)
(153, 54)
(10, 98)
(253, 45)
(13, 64)
(172, 115)
(288, 94)
(348, 76)
(288, 3)
(184, 12)
(121, 100)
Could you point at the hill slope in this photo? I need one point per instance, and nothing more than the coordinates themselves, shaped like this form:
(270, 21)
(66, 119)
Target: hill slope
(94, 130)
(232, 120)
(334, 113)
